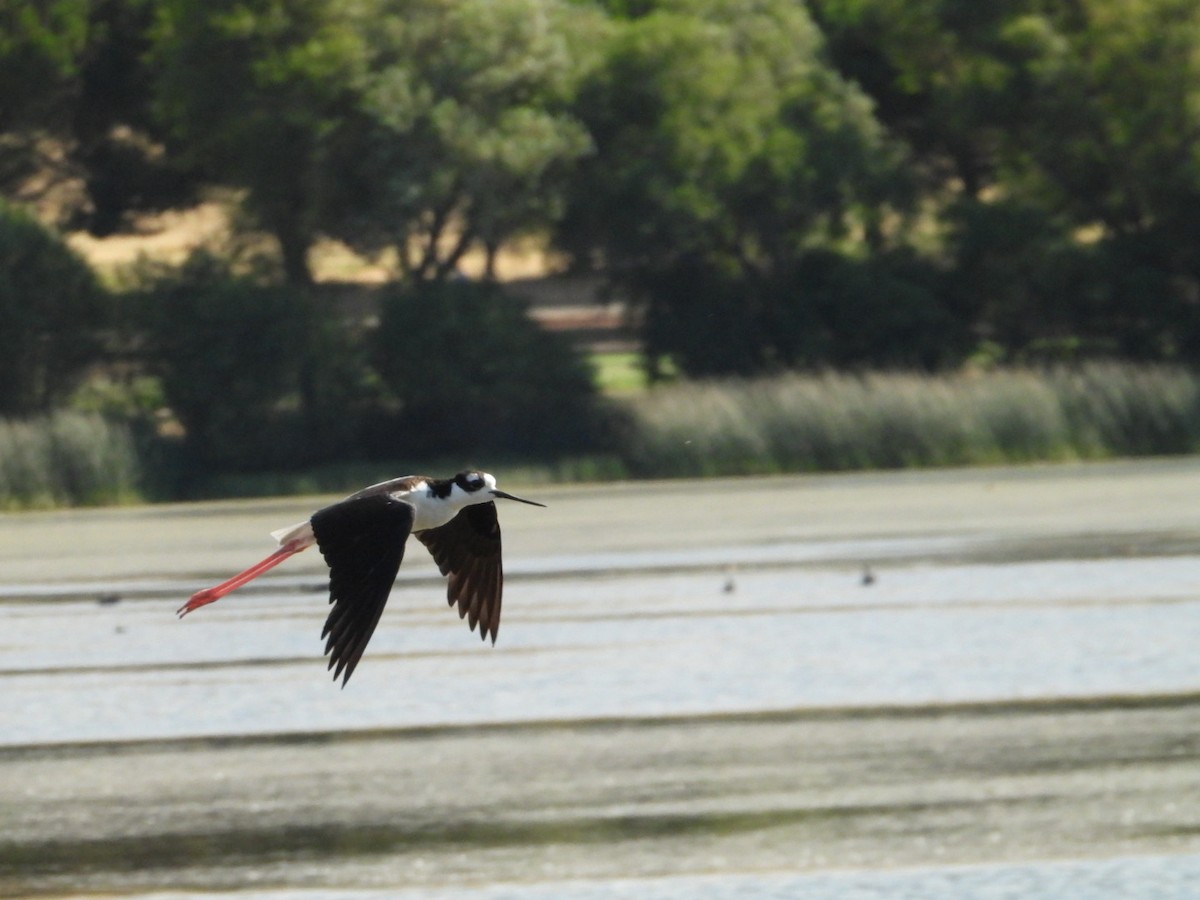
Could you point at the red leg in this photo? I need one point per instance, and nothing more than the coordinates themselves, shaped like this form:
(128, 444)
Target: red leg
(209, 595)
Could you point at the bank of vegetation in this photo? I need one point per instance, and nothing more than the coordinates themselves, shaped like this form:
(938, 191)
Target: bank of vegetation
(832, 422)
(780, 191)
(784, 424)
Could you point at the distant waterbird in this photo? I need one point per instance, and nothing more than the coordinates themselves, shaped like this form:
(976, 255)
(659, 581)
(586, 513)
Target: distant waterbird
(362, 539)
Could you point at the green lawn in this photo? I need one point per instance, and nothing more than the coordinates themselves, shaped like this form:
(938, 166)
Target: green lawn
(619, 372)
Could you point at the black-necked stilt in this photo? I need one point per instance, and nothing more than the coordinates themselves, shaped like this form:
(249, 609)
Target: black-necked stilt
(362, 539)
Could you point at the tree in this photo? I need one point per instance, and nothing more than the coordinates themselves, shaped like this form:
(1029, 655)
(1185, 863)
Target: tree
(484, 376)
(51, 312)
(1058, 144)
(115, 142)
(1108, 148)
(229, 351)
(463, 134)
(250, 89)
(726, 150)
(40, 49)
(947, 77)
(75, 106)
(422, 126)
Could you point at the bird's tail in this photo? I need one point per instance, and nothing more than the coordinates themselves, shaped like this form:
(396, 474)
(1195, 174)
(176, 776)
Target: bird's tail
(301, 531)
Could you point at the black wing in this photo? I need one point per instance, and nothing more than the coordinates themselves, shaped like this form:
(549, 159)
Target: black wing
(467, 549)
(362, 540)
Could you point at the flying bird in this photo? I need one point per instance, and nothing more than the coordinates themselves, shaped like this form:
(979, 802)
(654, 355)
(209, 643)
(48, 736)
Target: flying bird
(362, 539)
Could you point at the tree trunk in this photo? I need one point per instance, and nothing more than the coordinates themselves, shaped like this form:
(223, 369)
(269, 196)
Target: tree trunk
(293, 247)
(491, 248)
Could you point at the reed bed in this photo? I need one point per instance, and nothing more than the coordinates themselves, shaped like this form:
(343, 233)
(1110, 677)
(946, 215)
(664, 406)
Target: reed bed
(790, 423)
(830, 422)
(66, 459)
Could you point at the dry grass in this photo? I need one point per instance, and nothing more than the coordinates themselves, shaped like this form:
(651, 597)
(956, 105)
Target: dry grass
(170, 236)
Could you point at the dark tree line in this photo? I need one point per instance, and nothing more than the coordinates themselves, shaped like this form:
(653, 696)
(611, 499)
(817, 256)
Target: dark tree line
(774, 184)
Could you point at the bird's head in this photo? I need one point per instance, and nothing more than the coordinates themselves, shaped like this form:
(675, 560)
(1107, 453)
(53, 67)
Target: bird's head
(480, 487)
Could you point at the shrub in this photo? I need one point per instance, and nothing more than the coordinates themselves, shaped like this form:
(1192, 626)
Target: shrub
(228, 351)
(66, 459)
(822, 309)
(51, 312)
(468, 370)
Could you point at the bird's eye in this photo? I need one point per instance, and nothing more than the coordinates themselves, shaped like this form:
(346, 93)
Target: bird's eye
(476, 481)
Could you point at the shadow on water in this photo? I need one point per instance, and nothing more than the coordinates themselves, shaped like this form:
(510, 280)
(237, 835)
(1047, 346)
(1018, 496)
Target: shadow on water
(21, 865)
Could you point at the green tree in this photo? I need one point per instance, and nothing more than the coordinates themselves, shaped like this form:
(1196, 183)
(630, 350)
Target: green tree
(250, 89)
(462, 135)
(75, 104)
(727, 149)
(948, 78)
(40, 49)
(422, 126)
(115, 142)
(483, 375)
(229, 352)
(1058, 145)
(51, 313)
(1108, 149)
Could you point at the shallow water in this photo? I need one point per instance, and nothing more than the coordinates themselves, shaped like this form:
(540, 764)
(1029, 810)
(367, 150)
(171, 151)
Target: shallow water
(1163, 878)
(1094, 600)
(636, 643)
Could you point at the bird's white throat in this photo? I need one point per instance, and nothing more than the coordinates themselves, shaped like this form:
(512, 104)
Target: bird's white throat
(433, 511)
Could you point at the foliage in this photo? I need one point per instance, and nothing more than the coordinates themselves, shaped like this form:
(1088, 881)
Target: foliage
(1019, 276)
(820, 309)
(227, 350)
(1111, 134)
(462, 134)
(248, 89)
(1066, 133)
(420, 126)
(469, 371)
(39, 51)
(114, 141)
(75, 107)
(726, 151)
(947, 77)
(1111, 142)
(51, 312)
(832, 422)
(772, 185)
(66, 459)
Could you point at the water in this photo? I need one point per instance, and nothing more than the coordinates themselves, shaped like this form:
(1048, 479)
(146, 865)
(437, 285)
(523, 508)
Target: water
(630, 644)
(1164, 878)
(1070, 606)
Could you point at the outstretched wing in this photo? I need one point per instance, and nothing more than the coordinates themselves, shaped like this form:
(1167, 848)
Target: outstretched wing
(362, 540)
(467, 550)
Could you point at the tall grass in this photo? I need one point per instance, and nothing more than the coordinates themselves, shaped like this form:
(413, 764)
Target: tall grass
(791, 423)
(66, 459)
(831, 422)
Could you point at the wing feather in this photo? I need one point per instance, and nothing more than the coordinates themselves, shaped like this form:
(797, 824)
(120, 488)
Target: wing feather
(467, 551)
(362, 540)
